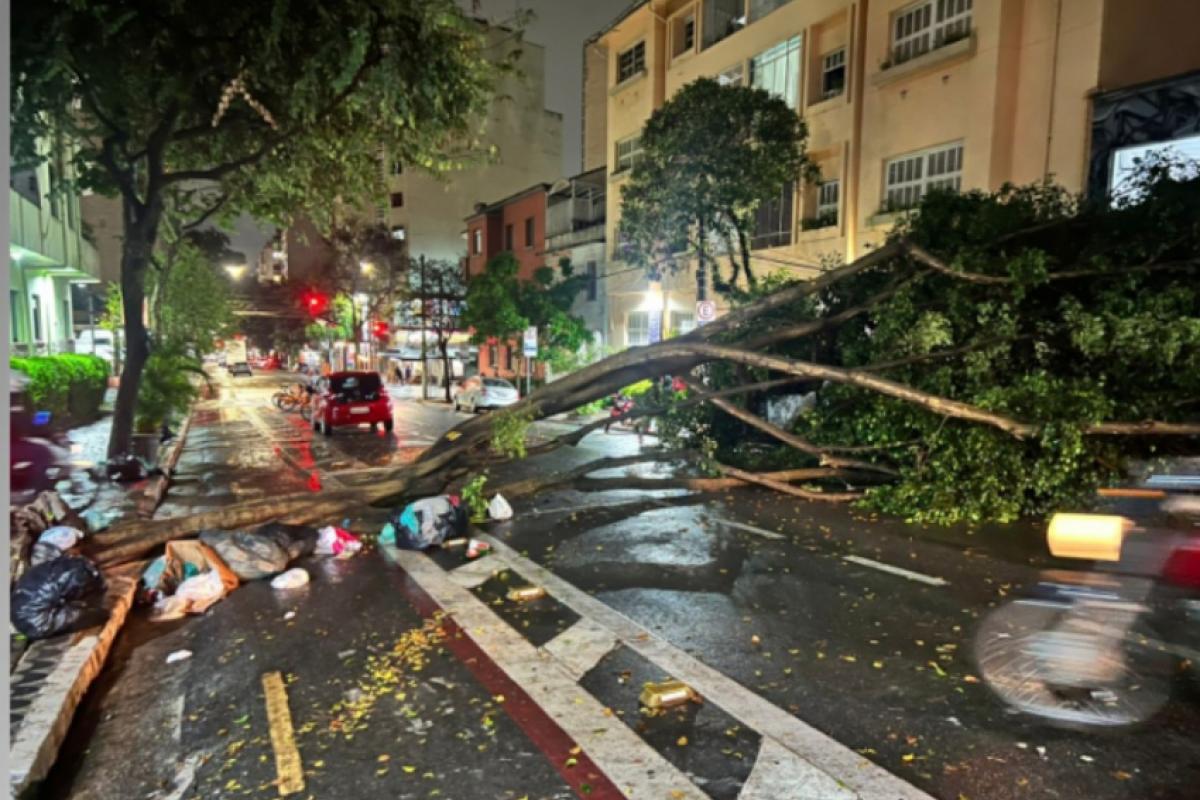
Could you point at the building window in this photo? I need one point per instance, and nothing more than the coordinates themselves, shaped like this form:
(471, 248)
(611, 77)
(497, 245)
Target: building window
(722, 18)
(529, 233)
(35, 314)
(681, 323)
(493, 357)
(833, 73)
(734, 76)
(508, 358)
(397, 167)
(55, 193)
(760, 8)
(927, 26)
(773, 221)
(631, 62)
(397, 199)
(637, 328)
(508, 237)
(683, 35)
(828, 195)
(629, 152)
(14, 310)
(593, 281)
(910, 176)
(777, 71)
(399, 233)
(477, 241)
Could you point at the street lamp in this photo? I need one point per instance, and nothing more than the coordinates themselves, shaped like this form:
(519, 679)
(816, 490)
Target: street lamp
(236, 271)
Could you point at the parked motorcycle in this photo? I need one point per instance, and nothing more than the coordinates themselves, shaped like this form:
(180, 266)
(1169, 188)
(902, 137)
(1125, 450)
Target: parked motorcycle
(38, 457)
(620, 405)
(1103, 647)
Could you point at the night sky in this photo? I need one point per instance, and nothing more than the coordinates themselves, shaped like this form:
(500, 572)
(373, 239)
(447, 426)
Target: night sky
(558, 25)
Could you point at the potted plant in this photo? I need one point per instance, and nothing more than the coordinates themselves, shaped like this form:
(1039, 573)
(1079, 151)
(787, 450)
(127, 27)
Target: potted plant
(167, 390)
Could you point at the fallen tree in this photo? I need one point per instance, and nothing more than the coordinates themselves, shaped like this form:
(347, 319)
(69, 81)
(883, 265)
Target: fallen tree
(935, 394)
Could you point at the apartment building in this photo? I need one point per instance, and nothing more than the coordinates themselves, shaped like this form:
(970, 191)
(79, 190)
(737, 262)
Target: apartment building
(47, 254)
(899, 97)
(575, 212)
(524, 137)
(517, 225)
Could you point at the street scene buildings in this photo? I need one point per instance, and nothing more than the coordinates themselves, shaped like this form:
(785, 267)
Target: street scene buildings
(665, 399)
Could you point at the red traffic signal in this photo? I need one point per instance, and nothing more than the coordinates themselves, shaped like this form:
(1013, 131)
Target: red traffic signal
(381, 329)
(315, 303)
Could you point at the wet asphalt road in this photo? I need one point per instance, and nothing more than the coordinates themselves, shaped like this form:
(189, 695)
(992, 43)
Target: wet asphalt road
(881, 663)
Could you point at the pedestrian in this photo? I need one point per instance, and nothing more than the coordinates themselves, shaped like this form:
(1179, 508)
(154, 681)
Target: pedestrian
(407, 374)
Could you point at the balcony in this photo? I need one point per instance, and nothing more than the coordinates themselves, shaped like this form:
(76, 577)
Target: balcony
(42, 242)
(574, 221)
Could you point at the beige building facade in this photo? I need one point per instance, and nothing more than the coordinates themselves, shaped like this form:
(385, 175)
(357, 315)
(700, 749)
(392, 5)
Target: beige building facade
(526, 141)
(899, 97)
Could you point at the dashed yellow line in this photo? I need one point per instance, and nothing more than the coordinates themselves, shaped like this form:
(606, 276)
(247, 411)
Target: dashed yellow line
(279, 720)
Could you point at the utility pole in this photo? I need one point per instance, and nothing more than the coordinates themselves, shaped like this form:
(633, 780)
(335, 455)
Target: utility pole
(424, 331)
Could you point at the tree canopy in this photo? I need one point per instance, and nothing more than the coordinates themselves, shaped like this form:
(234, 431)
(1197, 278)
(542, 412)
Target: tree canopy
(271, 107)
(711, 156)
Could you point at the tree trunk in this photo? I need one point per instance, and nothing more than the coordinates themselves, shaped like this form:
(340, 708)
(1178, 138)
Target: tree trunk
(442, 345)
(135, 259)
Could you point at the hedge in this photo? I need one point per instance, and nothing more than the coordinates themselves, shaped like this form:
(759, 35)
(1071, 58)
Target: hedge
(70, 386)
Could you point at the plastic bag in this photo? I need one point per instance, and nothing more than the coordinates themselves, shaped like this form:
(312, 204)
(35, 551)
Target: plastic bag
(499, 508)
(64, 537)
(333, 541)
(426, 523)
(53, 598)
(200, 591)
(292, 579)
(263, 552)
(184, 559)
(43, 552)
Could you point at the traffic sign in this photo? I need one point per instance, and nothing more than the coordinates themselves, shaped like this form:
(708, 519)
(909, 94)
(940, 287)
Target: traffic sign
(530, 343)
(706, 311)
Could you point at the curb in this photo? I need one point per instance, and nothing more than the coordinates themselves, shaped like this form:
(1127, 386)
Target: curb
(51, 680)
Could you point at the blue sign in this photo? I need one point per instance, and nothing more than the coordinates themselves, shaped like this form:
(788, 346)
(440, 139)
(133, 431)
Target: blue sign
(655, 327)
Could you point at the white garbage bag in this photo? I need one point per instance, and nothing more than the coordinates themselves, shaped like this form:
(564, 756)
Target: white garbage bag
(64, 537)
(201, 591)
(292, 579)
(499, 508)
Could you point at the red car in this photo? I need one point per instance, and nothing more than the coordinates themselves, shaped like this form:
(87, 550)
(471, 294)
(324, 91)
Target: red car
(351, 398)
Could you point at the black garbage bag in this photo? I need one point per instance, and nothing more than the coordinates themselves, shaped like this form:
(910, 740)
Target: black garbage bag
(127, 468)
(264, 551)
(58, 596)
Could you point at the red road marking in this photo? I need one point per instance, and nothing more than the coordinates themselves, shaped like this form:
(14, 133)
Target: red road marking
(556, 745)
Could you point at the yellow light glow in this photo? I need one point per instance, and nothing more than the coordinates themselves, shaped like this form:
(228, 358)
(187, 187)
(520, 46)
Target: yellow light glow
(1095, 537)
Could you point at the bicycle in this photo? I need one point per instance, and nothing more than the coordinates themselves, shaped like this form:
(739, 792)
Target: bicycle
(292, 397)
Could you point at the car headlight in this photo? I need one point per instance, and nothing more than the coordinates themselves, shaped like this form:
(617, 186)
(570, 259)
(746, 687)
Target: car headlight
(1095, 537)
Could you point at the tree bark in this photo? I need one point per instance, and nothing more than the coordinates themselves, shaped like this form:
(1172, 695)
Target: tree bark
(795, 491)
(140, 232)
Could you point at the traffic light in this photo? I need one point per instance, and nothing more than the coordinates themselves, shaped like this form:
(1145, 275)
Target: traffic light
(381, 329)
(315, 303)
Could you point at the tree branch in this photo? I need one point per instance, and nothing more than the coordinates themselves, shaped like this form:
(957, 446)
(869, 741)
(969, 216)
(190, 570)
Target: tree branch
(750, 477)
(936, 264)
(1147, 428)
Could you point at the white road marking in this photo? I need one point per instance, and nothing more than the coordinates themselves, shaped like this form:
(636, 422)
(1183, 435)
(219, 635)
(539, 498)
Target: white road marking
(581, 646)
(903, 573)
(628, 761)
(750, 529)
(778, 772)
(825, 754)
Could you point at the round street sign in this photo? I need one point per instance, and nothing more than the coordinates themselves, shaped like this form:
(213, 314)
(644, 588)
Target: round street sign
(706, 310)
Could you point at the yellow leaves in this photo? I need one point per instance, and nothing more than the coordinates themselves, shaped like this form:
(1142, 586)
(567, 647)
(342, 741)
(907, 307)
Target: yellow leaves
(681, 741)
(849, 659)
(941, 673)
(755, 640)
(576, 750)
(1121, 775)
(498, 698)
(571, 762)
(677, 795)
(877, 664)
(409, 769)
(970, 679)
(383, 758)
(907, 757)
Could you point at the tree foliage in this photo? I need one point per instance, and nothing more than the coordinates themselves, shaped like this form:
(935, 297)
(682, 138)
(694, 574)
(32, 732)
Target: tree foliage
(1008, 329)
(711, 155)
(263, 106)
(501, 305)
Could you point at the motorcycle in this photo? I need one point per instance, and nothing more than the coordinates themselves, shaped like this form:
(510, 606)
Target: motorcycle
(39, 457)
(1101, 648)
(620, 405)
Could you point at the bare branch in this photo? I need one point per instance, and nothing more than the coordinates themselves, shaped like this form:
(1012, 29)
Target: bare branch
(1147, 428)
(750, 477)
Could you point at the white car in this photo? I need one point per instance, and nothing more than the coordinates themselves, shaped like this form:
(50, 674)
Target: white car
(97, 342)
(490, 393)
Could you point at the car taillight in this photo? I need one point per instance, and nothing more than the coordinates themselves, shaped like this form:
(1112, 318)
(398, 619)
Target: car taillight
(1183, 567)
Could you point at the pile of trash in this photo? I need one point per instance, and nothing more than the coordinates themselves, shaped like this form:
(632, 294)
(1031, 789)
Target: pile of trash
(193, 574)
(440, 521)
(54, 590)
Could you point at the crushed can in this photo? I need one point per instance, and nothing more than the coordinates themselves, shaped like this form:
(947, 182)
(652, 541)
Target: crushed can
(667, 694)
(523, 594)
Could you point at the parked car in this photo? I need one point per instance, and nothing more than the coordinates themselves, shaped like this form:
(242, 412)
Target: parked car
(471, 382)
(488, 393)
(98, 342)
(240, 368)
(351, 398)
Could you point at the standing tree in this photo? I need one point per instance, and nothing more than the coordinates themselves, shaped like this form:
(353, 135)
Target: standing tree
(273, 108)
(711, 155)
(440, 292)
(500, 305)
